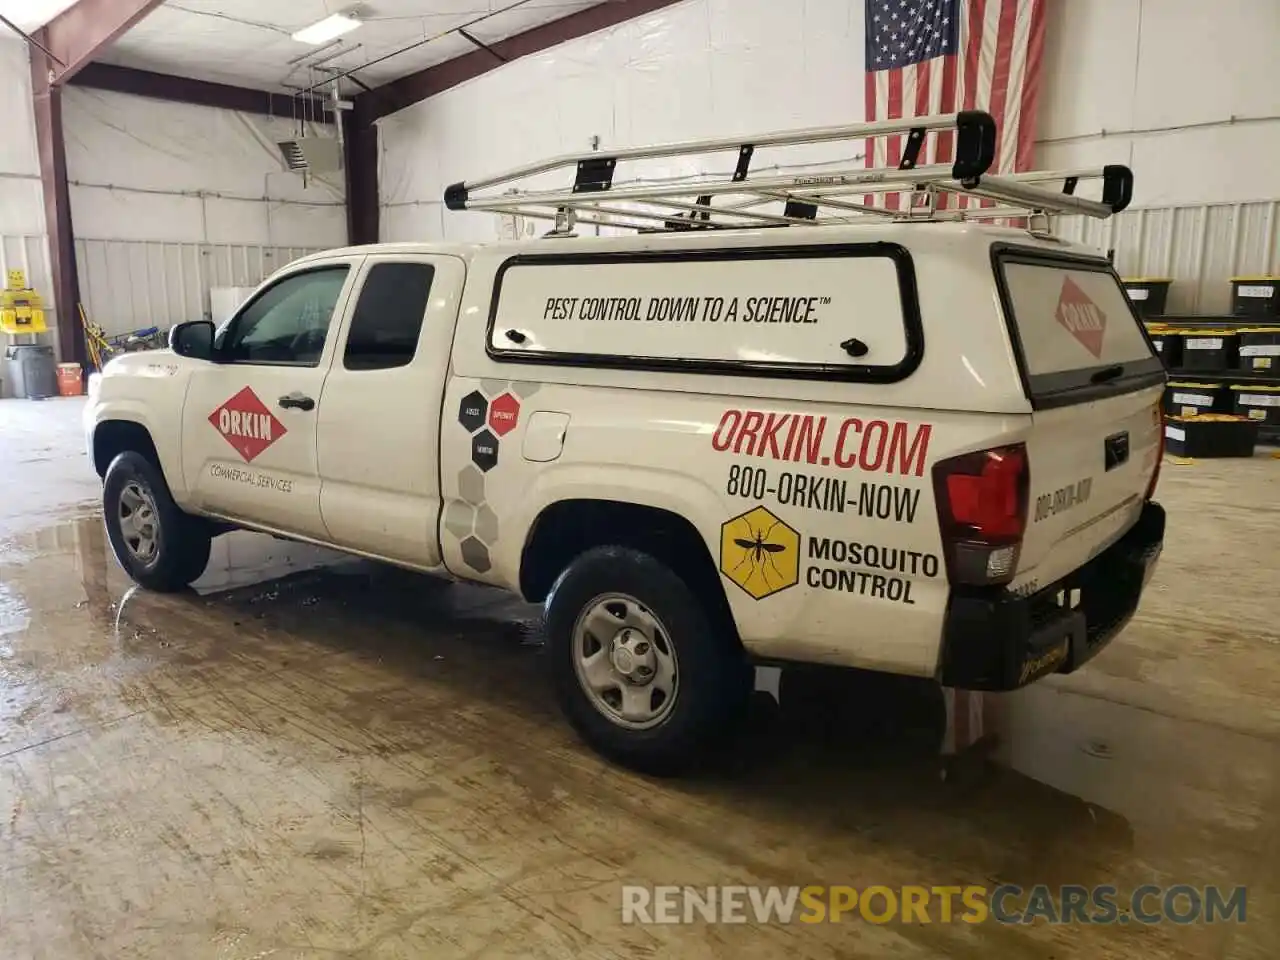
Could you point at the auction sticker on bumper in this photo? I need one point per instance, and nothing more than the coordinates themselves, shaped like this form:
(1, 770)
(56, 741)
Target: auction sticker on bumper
(1041, 664)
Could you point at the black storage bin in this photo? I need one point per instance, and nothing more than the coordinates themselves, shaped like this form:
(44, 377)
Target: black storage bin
(1184, 398)
(1255, 296)
(1259, 402)
(1168, 344)
(33, 373)
(1148, 294)
(1259, 351)
(1209, 350)
(1215, 435)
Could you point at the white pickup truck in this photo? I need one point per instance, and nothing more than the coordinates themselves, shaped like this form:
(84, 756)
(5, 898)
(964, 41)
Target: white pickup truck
(926, 448)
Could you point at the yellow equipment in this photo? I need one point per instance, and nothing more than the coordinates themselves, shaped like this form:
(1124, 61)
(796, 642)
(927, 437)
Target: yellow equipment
(95, 340)
(21, 308)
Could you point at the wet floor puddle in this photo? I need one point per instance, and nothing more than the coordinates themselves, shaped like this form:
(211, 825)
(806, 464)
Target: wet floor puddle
(1067, 788)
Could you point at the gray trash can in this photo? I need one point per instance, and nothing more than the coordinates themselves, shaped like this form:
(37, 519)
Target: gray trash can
(32, 372)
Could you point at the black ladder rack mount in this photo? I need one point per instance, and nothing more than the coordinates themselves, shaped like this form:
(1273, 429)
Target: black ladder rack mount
(800, 198)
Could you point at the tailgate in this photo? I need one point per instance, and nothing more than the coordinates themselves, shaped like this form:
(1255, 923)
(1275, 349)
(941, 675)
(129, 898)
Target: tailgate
(1095, 385)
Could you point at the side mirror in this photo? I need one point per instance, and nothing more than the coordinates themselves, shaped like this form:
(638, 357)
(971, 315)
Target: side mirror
(192, 339)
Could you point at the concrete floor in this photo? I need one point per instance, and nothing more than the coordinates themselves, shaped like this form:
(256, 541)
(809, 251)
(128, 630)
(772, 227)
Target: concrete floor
(310, 758)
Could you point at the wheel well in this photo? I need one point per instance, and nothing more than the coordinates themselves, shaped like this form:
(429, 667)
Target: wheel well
(567, 529)
(113, 437)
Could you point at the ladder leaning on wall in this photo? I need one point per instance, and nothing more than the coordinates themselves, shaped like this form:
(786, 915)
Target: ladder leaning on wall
(909, 191)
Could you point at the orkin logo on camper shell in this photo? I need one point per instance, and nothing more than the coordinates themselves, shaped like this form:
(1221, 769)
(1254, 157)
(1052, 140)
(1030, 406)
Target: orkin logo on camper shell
(1081, 317)
(247, 424)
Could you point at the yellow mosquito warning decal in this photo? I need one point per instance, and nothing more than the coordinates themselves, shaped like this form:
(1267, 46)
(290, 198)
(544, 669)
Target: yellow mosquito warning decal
(760, 553)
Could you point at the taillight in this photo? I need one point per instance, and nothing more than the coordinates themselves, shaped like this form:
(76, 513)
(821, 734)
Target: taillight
(982, 509)
(1155, 474)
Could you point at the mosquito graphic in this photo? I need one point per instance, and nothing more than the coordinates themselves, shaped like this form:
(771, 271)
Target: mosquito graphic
(759, 553)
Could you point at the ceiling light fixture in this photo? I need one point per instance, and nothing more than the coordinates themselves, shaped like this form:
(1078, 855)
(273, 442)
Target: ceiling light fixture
(328, 29)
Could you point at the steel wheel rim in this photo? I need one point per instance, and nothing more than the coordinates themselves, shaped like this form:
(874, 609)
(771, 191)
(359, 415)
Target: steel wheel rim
(139, 522)
(625, 662)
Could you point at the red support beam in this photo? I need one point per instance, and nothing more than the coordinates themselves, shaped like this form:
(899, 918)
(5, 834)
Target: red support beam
(362, 133)
(360, 161)
(83, 30)
(72, 39)
(199, 93)
(47, 104)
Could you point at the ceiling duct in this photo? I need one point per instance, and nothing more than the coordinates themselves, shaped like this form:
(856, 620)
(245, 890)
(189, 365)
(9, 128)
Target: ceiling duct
(311, 154)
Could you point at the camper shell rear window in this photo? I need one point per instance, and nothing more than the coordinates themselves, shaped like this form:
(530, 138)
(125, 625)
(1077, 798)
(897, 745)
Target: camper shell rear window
(1075, 333)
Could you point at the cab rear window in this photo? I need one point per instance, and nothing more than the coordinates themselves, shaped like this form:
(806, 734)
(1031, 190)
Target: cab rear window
(1075, 333)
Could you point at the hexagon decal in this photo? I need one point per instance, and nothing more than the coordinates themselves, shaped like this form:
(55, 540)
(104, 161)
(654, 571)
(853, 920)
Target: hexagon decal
(760, 552)
(487, 525)
(459, 518)
(471, 485)
(475, 555)
(504, 414)
(484, 450)
(472, 411)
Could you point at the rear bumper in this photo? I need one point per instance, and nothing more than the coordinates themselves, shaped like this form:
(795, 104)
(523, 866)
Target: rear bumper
(996, 641)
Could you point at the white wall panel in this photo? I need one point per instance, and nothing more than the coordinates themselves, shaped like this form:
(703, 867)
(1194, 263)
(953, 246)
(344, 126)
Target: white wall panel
(1185, 90)
(1182, 90)
(148, 170)
(21, 204)
(131, 214)
(21, 199)
(129, 285)
(295, 224)
(700, 68)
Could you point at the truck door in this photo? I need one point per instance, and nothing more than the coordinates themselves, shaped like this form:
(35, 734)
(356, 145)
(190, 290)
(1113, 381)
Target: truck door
(379, 426)
(249, 418)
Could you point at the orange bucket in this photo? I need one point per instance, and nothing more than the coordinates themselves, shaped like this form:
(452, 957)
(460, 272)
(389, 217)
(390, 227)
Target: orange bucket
(70, 380)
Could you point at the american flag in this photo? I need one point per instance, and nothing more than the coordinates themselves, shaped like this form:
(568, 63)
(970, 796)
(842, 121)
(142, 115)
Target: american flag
(940, 56)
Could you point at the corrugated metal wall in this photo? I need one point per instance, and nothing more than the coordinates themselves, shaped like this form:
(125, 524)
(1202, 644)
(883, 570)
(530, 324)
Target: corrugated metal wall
(30, 255)
(1199, 247)
(129, 285)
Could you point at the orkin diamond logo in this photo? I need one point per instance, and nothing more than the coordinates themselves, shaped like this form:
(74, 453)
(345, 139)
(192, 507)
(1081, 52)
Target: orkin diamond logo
(247, 424)
(1081, 317)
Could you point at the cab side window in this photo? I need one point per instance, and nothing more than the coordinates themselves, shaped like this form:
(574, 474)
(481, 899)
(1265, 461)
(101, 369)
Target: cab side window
(288, 322)
(388, 316)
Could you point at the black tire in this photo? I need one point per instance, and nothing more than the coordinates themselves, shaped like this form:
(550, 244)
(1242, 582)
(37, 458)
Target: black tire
(713, 679)
(182, 542)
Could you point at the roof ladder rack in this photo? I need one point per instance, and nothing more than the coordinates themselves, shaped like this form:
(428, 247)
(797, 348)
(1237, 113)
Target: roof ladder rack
(912, 190)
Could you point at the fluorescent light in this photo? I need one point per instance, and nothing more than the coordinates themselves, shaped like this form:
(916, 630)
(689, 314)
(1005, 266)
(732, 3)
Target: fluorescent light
(330, 28)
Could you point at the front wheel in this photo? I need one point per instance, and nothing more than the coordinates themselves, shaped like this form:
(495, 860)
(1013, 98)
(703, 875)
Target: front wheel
(641, 668)
(158, 545)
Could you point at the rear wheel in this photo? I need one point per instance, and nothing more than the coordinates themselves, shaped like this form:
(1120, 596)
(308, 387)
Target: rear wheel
(158, 545)
(642, 670)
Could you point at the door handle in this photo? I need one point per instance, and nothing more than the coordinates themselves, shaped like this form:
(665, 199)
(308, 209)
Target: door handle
(297, 401)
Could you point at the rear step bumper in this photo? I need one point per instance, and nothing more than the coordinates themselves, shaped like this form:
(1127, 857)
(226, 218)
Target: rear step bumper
(996, 641)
